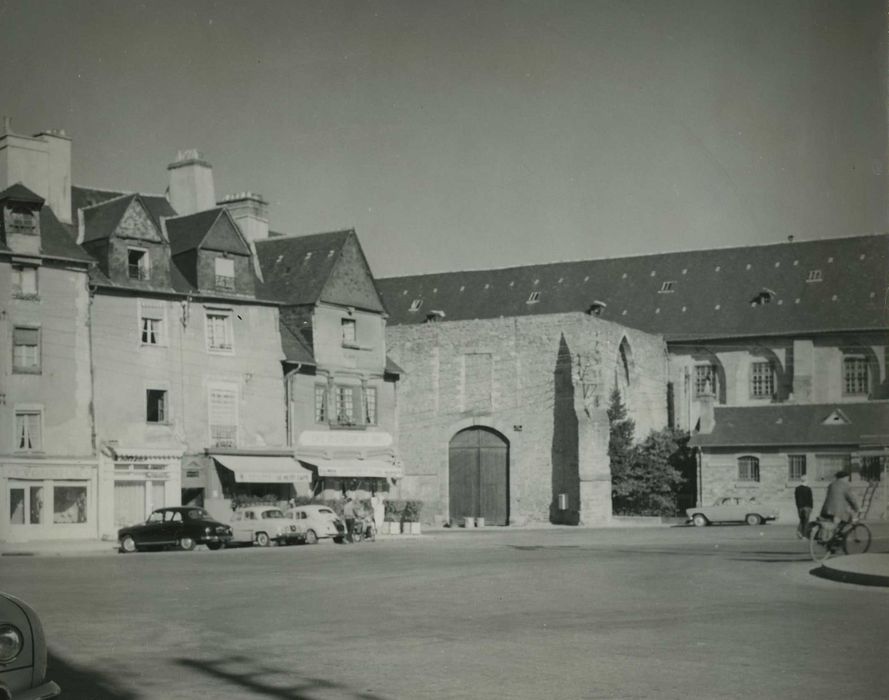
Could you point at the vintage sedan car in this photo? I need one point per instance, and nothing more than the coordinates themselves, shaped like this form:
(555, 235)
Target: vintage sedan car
(182, 527)
(731, 509)
(317, 522)
(22, 653)
(262, 525)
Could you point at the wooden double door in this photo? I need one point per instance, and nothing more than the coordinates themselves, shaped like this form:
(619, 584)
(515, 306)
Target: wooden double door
(479, 476)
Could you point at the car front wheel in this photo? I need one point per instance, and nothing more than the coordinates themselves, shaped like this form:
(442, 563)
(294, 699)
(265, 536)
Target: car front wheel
(214, 545)
(700, 520)
(186, 544)
(311, 537)
(128, 545)
(753, 519)
(262, 539)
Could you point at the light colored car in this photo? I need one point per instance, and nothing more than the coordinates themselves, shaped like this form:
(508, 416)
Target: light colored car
(22, 653)
(732, 509)
(262, 525)
(315, 522)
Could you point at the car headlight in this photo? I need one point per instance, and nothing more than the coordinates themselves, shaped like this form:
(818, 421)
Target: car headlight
(208, 530)
(11, 643)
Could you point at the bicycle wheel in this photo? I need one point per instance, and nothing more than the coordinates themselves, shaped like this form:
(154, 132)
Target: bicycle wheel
(857, 539)
(818, 547)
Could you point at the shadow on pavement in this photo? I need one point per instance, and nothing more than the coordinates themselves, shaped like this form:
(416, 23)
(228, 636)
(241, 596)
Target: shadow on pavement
(246, 675)
(79, 682)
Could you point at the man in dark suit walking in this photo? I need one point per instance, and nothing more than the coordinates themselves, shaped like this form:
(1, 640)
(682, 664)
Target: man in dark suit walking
(803, 497)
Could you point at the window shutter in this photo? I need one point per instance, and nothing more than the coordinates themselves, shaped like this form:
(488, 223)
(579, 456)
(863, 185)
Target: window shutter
(26, 336)
(153, 310)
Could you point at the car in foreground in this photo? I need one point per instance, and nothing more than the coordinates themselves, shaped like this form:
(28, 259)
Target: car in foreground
(184, 527)
(316, 522)
(732, 509)
(262, 525)
(22, 653)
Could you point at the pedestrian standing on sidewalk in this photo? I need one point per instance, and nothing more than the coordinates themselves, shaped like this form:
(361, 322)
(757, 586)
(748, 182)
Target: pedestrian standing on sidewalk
(803, 497)
(376, 504)
(349, 517)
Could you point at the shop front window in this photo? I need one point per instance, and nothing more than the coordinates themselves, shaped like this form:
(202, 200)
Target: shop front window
(17, 506)
(36, 514)
(69, 504)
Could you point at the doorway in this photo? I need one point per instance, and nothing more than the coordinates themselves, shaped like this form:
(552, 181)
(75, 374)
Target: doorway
(478, 466)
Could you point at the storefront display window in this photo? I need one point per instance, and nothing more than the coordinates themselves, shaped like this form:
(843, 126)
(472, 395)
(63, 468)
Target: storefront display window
(69, 504)
(17, 506)
(36, 505)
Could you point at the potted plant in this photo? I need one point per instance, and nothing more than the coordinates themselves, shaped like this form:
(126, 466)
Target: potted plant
(392, 517)
(410, 519)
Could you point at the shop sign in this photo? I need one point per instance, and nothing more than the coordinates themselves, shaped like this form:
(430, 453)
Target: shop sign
(344, 438)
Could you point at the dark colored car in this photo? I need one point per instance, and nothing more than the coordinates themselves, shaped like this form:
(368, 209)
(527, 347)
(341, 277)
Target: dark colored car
(182, 527)
(22, 653)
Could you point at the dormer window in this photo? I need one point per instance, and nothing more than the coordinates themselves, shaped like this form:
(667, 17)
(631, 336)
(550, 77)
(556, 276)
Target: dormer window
(667, 287)
(814, 276)
(416, 305)
(225, 274)
(764, 297)
(533, 298)
(22, 221)
(137, 264)
(348, 327)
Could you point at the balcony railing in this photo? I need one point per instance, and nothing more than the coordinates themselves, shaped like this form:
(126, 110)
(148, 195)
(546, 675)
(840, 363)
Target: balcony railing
(225, 282)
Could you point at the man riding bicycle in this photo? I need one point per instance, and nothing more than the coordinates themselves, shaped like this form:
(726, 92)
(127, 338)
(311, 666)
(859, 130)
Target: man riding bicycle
(840, 504)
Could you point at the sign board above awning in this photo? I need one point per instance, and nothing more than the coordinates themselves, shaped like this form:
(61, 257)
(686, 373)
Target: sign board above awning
(258, 469)
(356, 468)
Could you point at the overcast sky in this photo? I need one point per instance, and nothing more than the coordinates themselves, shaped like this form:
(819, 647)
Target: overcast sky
(455, 135)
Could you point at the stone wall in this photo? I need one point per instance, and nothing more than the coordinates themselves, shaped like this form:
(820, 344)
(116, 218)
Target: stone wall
(543, 383)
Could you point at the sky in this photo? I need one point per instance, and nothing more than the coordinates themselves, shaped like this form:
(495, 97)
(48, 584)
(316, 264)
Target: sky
(458, 134)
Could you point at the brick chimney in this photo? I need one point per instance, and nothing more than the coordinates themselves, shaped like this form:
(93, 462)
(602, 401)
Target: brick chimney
(191, 183)
(42, 163)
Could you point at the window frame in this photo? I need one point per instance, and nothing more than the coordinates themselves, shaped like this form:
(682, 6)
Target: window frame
(864, 365)
(222, 282)
(700, 381)
(321, 411)
(752, 475)
(164, 406)
(143, 265)
(27, 410)
(756, 381)
(371, 417)
(37, 368)
(17, 279)
(350, 339)
(220, 388)
(228, 322)
(22, 221)
(793, 473)
(349, 406)
(145, 314)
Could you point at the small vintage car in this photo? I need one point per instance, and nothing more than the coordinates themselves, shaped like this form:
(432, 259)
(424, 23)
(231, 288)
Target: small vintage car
(732, 509)
(262, 525)
(316, 522)
(22, 653)
(182, 527)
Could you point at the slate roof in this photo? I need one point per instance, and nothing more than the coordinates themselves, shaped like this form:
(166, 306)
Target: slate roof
(296, 348)
(295, 268)
(710, 292)
(83, 198)
(56, 241)
(788, 425)
(188, 232)
(20, 193)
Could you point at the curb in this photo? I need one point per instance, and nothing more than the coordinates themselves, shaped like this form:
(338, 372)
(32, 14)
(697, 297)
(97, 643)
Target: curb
(862, 570)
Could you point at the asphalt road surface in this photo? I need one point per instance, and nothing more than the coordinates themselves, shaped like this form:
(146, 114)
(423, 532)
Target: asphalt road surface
(718, 612)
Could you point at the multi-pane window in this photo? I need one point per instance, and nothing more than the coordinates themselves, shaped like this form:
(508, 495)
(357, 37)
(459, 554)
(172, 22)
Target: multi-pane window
(69, 504)
(26, 350)
(349, 331)
(855, 375)
(705, 380)
(151, 323)
(762, 380)
(28, 434)
(223, 417)
(24, 281)
(137, 264)
(225, 273)
(345, 405)
(370, 405)
(156, 406)
(748, 469)
(826, 466)
(219, 331)
(321, 403)
(23, 221)
(796, 466)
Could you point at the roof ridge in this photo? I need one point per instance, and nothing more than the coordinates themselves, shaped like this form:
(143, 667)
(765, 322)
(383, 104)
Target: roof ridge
(290, 236)
(117, 191)
(111, 201)
(195, 213)
(634, 256)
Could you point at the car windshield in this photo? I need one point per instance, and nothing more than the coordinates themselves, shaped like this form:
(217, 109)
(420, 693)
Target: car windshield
(272, 514)
(197, 514)
(156, 517)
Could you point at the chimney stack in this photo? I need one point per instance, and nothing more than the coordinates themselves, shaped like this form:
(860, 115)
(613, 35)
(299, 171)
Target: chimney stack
(250, 212)
(191, 183)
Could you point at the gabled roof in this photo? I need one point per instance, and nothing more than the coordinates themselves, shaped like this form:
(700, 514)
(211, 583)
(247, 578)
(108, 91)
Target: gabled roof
(296, 268)
(156, 205)
(193, 230)
(823, 285)
(797, 425)
(101, 220)
(296, 348)
(19, 193)
(56, 241)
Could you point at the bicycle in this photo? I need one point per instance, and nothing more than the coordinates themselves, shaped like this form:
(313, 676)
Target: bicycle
(364, 529)
(852, 536)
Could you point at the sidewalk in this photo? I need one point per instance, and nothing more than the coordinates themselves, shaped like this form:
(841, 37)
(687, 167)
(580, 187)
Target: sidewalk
(862, 569)
(58, 548)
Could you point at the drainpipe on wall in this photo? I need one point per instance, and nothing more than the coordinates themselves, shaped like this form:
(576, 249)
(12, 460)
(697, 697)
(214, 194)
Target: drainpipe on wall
(700, 462)
(91, 289)
(288, 394)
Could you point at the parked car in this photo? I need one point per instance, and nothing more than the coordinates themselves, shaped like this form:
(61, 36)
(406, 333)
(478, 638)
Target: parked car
(22, 653)
(731, 510)
(317, 522)
(182, 527)
(262, 525)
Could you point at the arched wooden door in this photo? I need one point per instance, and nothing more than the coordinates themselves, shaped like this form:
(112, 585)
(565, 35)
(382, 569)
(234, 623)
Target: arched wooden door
(479, 476)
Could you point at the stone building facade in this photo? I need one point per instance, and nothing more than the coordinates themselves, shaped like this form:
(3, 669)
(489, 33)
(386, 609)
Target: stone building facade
(505, 419)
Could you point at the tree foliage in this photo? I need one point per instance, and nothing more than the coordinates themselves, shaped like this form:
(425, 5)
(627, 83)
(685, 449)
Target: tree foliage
(644, 477)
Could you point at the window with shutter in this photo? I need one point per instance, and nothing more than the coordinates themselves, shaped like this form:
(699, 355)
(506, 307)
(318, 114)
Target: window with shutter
(26, 350)
(28, 430)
